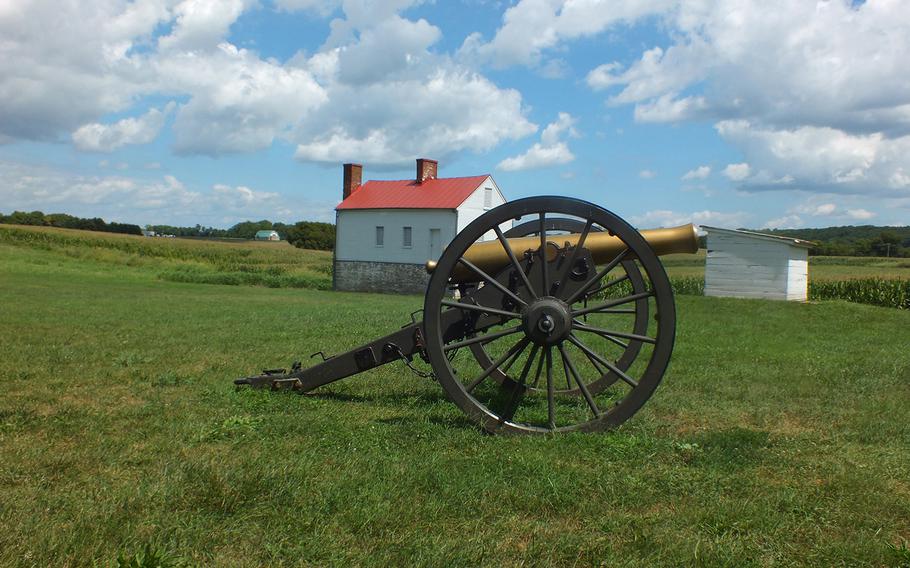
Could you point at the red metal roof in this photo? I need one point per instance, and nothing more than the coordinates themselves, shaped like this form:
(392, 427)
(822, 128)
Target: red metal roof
(444, 193)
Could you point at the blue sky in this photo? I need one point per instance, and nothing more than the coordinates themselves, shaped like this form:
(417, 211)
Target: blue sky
(730, 113)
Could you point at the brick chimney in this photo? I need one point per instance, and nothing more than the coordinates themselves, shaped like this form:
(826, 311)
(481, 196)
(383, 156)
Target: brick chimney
(353, 176)
(426, 169)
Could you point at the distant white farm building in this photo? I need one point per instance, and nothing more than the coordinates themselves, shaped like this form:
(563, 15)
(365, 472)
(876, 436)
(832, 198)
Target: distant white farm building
(385, 231)
(267, 236)
(744, 264)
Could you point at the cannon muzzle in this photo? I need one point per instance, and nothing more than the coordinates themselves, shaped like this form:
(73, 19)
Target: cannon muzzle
(490, 256)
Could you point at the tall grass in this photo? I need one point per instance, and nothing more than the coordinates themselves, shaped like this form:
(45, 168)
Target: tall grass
(275, 265)
(891, 293)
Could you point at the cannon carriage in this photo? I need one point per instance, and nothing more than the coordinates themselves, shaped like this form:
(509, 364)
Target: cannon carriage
(545, 314)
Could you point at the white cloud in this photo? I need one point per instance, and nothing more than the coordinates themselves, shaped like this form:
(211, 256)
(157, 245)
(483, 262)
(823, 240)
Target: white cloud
(737, 172)
(552, 150)
(785, 222)
(538, 156)
(647, 174)
(240, 102)
(321, 7)
(822, 159)
(533, 26)
(201, 24)
(563, 126)
(825, 209)
(242, 200)
(163, 199)
(786, 72)
(669, 218)
(860, 214)
(701, 172)
(387, 50)
(448, 111)
(819, 209)
(97, 137)
(65, 66)
(667, 108)
(782, 63)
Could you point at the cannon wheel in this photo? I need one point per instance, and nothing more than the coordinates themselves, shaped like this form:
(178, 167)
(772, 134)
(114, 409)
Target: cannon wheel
(518, 403)
(639, 325)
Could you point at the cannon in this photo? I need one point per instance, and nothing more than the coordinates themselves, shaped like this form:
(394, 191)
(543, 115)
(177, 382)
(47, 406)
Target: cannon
(545, 314)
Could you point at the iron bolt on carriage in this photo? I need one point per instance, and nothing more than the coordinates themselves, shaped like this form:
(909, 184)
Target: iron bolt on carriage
(545, 314)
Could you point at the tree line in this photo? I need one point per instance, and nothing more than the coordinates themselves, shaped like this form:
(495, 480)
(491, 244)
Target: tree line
(65, 221)
(303, 234)
(863, 240)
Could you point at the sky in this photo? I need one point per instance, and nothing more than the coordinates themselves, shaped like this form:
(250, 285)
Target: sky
(780, 114)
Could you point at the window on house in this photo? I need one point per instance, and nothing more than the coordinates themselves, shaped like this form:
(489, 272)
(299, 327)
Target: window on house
(487, 197)
(406, 237)
(380, 235)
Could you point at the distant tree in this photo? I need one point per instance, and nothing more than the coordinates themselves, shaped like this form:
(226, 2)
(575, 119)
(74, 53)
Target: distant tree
(890, 237)
(862, 240)
(25, 218)
(124, 228)
(248, 229)
(311, 235)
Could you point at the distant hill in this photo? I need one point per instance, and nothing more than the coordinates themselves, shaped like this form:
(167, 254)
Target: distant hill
(861, 240)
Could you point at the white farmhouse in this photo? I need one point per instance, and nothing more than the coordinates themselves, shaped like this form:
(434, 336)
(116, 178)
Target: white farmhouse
(744, 264)
(385, 231)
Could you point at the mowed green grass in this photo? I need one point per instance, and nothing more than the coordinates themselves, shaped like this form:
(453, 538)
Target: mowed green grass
(780, 436)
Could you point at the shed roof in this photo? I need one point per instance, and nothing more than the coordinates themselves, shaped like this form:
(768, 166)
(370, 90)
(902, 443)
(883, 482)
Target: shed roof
(763, 236)
(266, 233)
(438, 193)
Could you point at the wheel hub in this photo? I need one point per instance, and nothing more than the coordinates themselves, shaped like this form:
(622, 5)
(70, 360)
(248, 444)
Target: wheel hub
(547, 320)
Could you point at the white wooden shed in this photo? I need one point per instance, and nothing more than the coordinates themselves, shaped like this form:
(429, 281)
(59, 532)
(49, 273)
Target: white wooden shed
(744, 264)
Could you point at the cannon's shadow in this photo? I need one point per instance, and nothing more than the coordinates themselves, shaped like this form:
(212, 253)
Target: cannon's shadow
(421, 406)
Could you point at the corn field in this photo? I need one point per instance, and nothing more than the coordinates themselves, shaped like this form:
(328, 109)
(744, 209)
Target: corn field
(891, 293)
(886, 292)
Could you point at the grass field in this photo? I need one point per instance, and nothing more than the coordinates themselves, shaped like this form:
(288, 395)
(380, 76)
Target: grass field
(271, 264)
(780, 435)
(279, 265)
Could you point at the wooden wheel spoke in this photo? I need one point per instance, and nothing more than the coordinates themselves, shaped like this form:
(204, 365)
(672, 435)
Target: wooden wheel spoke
(611, 303)
(515, 351)
(606, 274)
(485, 338)
(594, 361)
(539, 369)
(581, 385)
(610, 366)
(480, 308)
(508, 248)
(492, 281)
(609, 333)
(565, 370)
(518, 389)
(597, 277)
(609, 338)
(551, 402)
(609, 284)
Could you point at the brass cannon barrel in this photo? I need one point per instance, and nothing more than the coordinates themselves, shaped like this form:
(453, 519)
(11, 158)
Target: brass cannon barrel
(490, 256)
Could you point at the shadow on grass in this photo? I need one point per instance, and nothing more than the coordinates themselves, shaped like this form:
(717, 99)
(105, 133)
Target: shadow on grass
(457, 422)
(409, 399)
(733, 448)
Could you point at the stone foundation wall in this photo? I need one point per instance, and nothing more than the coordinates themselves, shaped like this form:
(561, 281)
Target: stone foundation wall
(384, 277)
